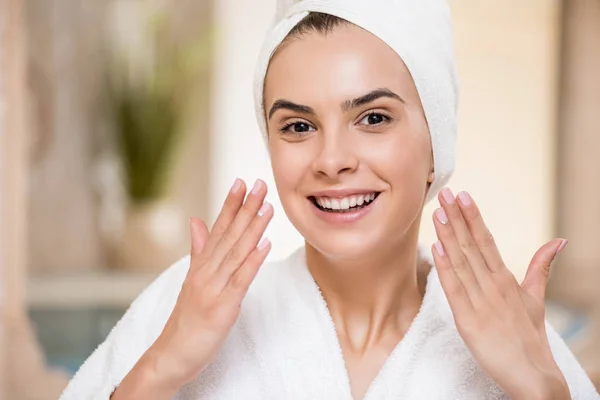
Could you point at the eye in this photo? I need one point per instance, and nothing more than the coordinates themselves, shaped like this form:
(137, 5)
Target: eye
(297, 128)
(374, 118)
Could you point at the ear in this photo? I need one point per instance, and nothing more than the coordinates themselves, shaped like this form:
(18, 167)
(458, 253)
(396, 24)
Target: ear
(431, 176)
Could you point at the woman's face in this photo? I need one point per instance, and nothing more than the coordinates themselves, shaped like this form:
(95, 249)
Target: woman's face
(349, 142)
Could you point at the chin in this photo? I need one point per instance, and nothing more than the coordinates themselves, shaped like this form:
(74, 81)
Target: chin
(345, 245)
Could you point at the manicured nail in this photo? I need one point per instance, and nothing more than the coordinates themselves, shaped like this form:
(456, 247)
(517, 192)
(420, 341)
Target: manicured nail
(441, 216)
(264, 209)
(562, 246)
(256, 187)
(448, 196)
(465, 198)
(439, 248)
(237, 185)
(263, 243)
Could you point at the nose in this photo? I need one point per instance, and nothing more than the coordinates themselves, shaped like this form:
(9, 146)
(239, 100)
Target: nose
(336, 155)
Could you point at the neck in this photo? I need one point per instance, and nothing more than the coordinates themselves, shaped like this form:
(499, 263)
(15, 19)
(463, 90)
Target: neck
(374, 294)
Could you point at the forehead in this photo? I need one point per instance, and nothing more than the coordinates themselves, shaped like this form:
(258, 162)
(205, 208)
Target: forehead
(339, 65)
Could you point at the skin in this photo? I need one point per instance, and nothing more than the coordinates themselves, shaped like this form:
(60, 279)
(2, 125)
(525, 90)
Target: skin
(367, 270)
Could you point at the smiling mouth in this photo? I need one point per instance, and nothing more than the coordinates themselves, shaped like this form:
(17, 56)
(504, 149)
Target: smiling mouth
(345, 204)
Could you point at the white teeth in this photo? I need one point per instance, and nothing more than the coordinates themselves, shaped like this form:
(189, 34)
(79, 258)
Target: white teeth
(335, 204)
(345, 203)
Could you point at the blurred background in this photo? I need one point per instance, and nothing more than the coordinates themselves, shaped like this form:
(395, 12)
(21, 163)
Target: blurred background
(120, 119)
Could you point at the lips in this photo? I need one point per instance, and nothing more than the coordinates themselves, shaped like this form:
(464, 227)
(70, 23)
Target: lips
(345, 203)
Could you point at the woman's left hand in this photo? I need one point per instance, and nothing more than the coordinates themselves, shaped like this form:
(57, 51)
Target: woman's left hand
(501, 322)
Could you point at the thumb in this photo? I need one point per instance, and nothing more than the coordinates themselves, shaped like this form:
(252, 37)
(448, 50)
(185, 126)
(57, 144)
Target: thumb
(539, 269)
(199, 234)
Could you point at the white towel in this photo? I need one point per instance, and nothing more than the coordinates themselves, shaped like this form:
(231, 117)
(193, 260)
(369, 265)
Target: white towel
(419, 31)
(284, 346)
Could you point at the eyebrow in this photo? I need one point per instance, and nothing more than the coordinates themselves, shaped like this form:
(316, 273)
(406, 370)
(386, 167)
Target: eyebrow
(347, 105)
(371, 97)
(288, 105)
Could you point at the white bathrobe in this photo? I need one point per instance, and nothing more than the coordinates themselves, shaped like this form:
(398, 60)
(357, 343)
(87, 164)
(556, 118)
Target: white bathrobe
(284, 346)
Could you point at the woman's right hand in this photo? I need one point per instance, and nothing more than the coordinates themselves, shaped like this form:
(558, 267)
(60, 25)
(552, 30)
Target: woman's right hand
(223, 264)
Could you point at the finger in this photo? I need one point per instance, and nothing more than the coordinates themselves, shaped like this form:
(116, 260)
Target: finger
(453, 287)
(242, 278)
(455, 256)
(245, 245)
(231, 206)
(465, 239)
(481, 234)
(240, 223)
(538, 272)
(199, 235)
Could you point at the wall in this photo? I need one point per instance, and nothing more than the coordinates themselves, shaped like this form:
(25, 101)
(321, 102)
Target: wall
(20, 359)
(578, 174)
(579, 171)
(3, 342)
(65, 38)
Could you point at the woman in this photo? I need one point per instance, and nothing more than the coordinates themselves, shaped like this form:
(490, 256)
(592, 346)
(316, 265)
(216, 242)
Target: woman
(358, 108)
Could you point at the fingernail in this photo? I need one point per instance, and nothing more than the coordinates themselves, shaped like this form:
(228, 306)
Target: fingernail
(256, 187)
(448, 196)
(263, 243)
(441, 216)
(236, 185)
(562, 246)
(465, 198)
(439, 248)
(264, 209)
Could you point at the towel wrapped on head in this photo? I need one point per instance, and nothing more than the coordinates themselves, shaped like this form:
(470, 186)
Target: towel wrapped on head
(419, 31)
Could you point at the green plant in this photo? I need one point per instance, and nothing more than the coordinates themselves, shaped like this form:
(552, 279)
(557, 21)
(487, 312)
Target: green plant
(149, 112)
(147, 134)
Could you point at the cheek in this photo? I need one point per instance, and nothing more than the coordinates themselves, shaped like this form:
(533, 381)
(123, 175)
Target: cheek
(399, 159)
(289, 165)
